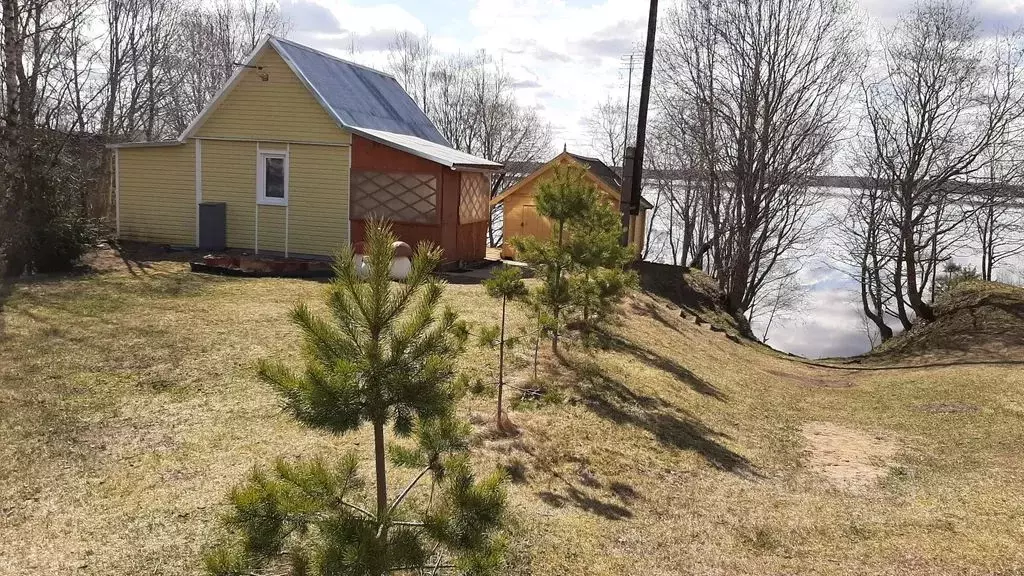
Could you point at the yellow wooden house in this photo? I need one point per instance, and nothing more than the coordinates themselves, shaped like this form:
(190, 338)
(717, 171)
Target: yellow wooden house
(295, 154)
(520, 211)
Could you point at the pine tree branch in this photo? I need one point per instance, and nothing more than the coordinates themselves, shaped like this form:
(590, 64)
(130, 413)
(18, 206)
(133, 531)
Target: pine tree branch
(407, 490)
(364, 511)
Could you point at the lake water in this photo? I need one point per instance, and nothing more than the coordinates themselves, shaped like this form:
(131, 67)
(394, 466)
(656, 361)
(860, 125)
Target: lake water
(830, 322)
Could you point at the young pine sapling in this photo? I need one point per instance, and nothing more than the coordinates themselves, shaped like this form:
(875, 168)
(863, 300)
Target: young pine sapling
(567, 196)
(505, 283)
(384, 356)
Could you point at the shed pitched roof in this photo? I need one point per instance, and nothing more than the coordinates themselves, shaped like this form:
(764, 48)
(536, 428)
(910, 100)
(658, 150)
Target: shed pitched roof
(362, 100)
(598, 169)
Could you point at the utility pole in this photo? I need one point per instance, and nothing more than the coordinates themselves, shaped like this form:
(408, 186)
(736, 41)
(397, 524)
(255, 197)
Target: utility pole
(645, 101)
(629, 200)
(629, 101)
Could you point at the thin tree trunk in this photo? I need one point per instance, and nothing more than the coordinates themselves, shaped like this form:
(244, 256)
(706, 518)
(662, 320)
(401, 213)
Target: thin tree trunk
(380, 455)
(558, 285)
(501, 362)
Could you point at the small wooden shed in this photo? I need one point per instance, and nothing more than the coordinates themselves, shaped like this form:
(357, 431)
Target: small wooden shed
(520, 211)
(297, 152)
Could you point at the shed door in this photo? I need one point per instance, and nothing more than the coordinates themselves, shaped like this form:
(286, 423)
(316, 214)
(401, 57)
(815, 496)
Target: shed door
(533, 224)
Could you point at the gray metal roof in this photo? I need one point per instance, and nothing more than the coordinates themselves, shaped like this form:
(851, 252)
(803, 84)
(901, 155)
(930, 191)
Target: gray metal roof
(357, 96)
(439, 153)
(607, 174)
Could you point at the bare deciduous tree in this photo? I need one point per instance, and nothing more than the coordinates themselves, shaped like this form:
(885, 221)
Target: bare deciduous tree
(411, 60)
(866, 250)
(472, 101)
(760, 90)
(609, 130)
(998, 209)
(941, 97)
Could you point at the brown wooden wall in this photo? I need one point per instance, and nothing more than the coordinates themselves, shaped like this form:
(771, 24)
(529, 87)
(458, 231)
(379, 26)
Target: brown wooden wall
(473, 241)
(459, 242)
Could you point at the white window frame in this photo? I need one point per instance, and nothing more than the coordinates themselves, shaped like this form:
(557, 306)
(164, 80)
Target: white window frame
(261, 177)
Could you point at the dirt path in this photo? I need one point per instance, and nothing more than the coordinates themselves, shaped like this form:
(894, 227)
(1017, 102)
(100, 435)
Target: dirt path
(850, 459)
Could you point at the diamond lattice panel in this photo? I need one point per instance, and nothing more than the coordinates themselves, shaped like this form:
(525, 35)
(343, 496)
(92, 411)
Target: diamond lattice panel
(394, 196)
(473, 205)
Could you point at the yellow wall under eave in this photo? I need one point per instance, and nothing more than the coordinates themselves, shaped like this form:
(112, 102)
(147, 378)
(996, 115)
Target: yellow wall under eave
(318, 191)
(156, 196)
(315, 222)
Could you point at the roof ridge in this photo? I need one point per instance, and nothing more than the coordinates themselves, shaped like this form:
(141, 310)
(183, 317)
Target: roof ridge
(332, 56)
(581, 156)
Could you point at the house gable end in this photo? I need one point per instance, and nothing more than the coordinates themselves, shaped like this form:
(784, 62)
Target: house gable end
(267, 101)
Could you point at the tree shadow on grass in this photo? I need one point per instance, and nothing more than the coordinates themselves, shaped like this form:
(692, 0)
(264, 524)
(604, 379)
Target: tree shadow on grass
(659, 362)
(653, 311)
(579, 499)
(670, 425)
(585, 498)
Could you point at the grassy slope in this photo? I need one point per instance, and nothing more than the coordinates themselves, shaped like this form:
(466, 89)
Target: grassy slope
(975, 321)
(128, 408)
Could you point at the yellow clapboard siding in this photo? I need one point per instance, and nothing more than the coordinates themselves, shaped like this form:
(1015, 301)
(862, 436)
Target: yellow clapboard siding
(318, 197)
(281, 108)
(229, 175)
(156, 194)
(276, 114)
(317, 214)
(272, 228)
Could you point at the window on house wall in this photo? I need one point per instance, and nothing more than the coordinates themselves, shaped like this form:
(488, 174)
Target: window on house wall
(474, 198)
(272, 178)
(394, 196)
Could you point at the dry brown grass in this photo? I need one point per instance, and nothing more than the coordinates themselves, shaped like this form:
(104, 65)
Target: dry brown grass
(128, 408)
(975, 321)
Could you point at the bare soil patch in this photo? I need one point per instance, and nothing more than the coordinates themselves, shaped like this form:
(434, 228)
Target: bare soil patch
(851, 459)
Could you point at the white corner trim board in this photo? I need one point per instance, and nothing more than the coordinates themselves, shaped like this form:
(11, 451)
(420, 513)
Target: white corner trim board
(288, 152)
(199, 183)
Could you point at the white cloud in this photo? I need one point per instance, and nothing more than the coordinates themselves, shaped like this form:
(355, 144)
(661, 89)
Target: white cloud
(571, 52)
(360, 33)
(565, 55)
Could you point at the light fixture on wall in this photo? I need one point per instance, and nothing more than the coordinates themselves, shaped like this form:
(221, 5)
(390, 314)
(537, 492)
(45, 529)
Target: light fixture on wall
(263, 75)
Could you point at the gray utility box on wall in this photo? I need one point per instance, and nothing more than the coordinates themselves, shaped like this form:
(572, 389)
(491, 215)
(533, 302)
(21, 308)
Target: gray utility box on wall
(213, 226)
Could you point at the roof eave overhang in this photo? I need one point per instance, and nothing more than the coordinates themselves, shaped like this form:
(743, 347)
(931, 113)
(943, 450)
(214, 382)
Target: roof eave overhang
(488, 167)
(478, 167)
(163, 144)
